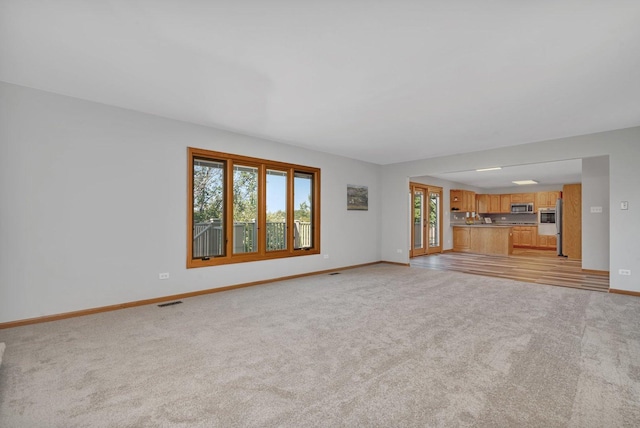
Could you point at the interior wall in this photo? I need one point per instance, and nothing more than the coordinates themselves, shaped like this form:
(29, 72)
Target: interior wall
(595, 225)
(93, 206)
(622, 146)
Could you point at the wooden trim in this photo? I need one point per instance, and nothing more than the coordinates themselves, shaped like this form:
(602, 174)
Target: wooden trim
(396, 263)
(229, 160)
(627, 292)
(65, 315)
(426, 190)
(596, 272)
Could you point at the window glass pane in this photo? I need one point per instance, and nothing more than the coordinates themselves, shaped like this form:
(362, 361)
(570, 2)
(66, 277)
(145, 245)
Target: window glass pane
(276, 210)
(434, 219)
(208, 208)
(245, 209)
(303, 209)
(417, 220)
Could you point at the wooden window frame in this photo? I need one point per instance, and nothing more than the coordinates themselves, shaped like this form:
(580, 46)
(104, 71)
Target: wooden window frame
(263, 165)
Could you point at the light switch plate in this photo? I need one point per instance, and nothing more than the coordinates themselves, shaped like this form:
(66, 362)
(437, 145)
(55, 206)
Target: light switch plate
(624, 205)
(596, 209)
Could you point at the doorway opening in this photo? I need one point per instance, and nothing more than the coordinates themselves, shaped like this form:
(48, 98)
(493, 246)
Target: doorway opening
(426, 219)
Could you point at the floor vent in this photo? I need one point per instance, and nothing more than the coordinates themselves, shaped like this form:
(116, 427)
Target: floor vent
(335, 273)
(162, 305)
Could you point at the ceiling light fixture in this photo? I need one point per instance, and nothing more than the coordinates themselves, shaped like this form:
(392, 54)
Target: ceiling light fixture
(495, 168)
(524, 182)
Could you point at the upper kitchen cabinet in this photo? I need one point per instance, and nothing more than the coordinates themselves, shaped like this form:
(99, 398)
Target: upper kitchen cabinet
(469, 200)
(482, 204)
(547, 199)
(505, 204)
(501, 203)
(463, 200)
(494, 203)
(523, 198)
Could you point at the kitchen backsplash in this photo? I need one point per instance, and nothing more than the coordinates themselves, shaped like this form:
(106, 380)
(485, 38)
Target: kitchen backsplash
(459, 218)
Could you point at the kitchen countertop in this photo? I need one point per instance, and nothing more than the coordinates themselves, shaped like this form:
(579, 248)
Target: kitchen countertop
(493, 225)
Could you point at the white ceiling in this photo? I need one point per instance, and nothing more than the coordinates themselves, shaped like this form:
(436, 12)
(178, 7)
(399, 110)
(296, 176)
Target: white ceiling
(383, 81)
(546, 174)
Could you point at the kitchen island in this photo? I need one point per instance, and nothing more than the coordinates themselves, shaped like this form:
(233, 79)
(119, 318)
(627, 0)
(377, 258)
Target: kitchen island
(483, 239)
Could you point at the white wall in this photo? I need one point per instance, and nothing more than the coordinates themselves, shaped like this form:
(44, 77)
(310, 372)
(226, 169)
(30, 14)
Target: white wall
(622, 147)
(595, 226)
(93, 206)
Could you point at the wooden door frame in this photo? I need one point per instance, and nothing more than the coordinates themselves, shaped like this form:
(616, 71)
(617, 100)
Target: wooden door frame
(413, 189)
(426, 189)
(439, 249)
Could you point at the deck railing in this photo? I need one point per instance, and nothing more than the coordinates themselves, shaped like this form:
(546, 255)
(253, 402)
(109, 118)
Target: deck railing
(208, 237)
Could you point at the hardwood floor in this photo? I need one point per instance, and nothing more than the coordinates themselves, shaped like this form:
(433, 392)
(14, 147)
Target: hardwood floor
(539, 266)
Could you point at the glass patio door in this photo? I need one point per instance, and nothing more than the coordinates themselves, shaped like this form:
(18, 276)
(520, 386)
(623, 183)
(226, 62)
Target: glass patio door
(419, 222)
(426, 219)
(434, 233)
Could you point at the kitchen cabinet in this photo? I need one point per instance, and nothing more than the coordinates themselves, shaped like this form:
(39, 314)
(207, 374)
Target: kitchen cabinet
(572, 221)
(547, 242)
(461, 238)
(469, 199)
(525, 236)
(483, 239)
(482, 204)
(462, 200)
(505, 204)
(494, 203)
(523, 198)
(547, 199)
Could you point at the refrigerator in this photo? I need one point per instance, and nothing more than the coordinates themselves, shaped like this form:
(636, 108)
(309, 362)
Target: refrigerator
(559, 226)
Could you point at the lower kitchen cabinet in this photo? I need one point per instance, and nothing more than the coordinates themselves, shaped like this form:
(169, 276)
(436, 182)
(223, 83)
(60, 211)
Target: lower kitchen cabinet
(525, 236)
(461, 238)
(483, 239)
(547, 242)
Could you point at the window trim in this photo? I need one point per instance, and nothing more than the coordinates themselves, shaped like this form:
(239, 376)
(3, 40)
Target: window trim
(263, 165)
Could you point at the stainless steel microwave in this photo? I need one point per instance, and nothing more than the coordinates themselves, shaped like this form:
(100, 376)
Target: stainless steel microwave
(521, 208)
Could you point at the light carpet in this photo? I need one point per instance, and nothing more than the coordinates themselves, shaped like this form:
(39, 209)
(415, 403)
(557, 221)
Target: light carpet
(379, 346)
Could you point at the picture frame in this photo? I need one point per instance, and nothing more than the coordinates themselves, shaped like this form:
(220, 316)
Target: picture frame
(357, 198)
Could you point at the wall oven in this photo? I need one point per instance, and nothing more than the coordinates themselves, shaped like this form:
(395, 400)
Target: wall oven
(547, 216)
(547, 221)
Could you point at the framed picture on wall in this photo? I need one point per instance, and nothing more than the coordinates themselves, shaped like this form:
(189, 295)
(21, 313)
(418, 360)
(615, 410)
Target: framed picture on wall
(357, 197)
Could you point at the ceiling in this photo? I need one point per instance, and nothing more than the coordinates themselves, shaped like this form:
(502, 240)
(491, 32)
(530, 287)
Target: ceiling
(382, 81)
(546, 174)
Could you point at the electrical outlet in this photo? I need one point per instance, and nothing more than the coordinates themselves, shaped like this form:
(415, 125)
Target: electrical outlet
(326, 256)
(596, 210)
(164, 275)
(626, 272)
(398, 251)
